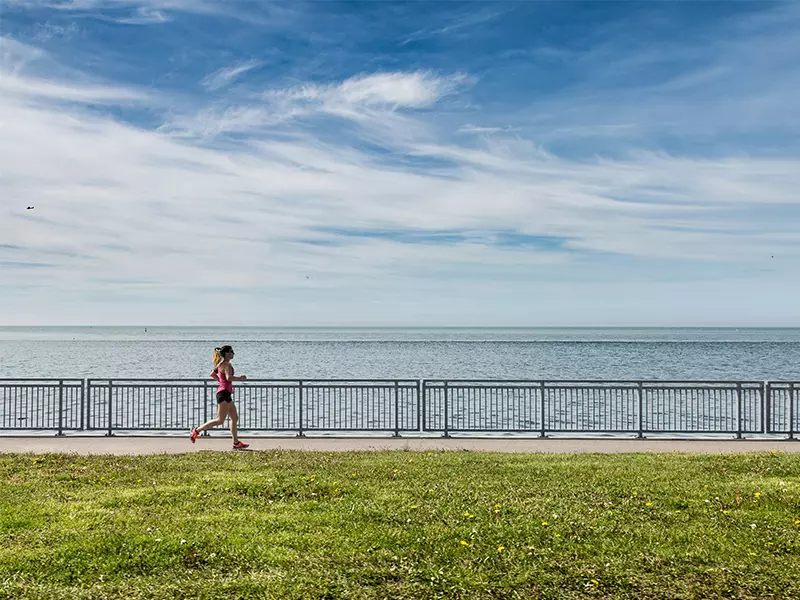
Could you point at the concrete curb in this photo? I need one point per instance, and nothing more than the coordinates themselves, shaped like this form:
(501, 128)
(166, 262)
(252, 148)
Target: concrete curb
(132, 446)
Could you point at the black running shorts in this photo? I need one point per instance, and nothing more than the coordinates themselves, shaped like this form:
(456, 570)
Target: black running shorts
(224, 396)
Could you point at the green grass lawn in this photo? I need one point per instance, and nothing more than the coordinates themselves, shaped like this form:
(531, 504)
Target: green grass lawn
(400, 525)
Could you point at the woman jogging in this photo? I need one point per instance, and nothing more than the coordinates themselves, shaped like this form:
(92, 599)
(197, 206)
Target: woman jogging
(223, 373)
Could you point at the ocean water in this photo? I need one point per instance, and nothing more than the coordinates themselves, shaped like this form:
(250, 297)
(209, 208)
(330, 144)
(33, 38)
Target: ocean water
(429, 353)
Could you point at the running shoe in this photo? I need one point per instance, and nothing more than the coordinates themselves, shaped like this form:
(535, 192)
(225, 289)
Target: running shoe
(193, 435)
(240, 445)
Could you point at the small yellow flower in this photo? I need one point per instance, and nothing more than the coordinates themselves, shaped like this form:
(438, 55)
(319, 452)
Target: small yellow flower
(413, 506)
(594, 581)
(797, 521)
(544, 523)
(758, 494)
(501, 548)
(752, 553)
(725, 512)
(464, 543)
(677, 511)
(648, 504)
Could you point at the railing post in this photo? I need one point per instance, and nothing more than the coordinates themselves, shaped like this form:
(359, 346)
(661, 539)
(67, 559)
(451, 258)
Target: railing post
(420, 404)
(768, 406)
(640, 392)
(300, 415)
(205, 405)
(791, 411)
(446, 411)
(541, 397)
(739, 411)
(60, 407)
(84, 400)
(110, 386)
(396, 409)
(763, 407)
(88, 404)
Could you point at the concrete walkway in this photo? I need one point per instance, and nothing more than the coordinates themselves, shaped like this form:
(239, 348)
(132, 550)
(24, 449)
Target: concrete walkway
(133, 445)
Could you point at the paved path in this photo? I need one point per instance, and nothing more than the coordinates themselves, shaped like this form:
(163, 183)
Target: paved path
(132, 445)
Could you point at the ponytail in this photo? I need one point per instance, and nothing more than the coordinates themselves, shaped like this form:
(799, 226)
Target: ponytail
(219, 355)
(218, 358)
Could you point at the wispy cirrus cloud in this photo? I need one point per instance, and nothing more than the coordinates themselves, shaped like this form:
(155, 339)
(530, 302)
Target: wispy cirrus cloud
(30, 73)
(145, 16)
(356, 96)
(62, 91)
(341, 196)
(225, 76)
(380, 100)
(458, 24)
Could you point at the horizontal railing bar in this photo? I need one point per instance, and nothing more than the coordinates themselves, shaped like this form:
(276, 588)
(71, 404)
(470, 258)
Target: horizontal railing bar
(431, 382)
(130, 386)
(155, 386)
(376, 430)
(535, 430)
(55, 386)
(212, 382)
(594, 388)
(46, 379)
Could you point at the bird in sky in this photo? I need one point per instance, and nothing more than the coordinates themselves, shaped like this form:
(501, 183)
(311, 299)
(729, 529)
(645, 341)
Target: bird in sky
(29, 208)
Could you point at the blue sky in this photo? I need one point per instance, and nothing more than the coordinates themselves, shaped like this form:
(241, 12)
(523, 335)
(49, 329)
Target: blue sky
(196, 162)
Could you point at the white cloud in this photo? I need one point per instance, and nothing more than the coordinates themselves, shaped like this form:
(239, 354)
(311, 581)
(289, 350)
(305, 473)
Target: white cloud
(356, 96)
(98, 94)
(223, 77)
(15, 55)
(479, 130)
(173, 215)
(54, 82)
(47, 31)
(380, 103)
(145, 16)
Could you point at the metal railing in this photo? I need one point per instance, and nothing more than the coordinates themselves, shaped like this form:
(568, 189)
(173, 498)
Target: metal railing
(263, 405)
(41, 404)
(632, 407)
(781, 411)
(640, 408)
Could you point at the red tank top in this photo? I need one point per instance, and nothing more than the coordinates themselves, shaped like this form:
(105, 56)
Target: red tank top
(225, 385)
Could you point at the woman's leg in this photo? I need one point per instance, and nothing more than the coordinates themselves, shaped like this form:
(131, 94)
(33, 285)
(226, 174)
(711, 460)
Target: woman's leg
(233, 421)
(222, 412)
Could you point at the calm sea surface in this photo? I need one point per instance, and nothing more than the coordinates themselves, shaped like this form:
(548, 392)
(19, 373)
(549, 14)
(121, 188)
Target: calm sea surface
(544, 353)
